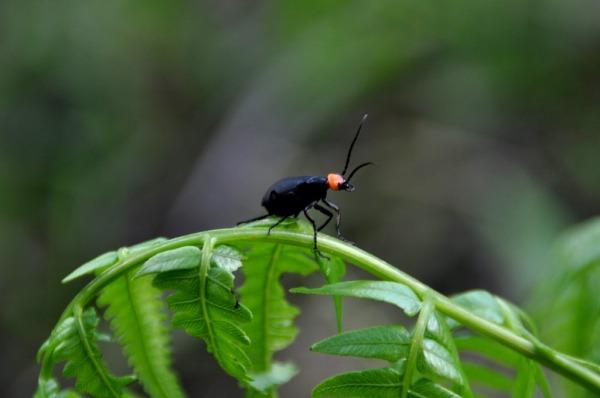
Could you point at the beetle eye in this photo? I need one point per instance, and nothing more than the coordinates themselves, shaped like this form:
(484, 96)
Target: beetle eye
(346, 186)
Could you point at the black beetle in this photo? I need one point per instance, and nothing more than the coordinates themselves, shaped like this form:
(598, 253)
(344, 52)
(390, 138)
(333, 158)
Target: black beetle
(292, 195)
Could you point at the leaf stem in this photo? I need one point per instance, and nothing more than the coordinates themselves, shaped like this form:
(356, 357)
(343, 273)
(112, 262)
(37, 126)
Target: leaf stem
(416, 344)
(552, 359)
(87, 346)
(207, 249)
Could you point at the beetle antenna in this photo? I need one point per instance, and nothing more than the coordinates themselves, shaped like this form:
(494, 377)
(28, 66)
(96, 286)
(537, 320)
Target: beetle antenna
(352, 145)
(360, 166)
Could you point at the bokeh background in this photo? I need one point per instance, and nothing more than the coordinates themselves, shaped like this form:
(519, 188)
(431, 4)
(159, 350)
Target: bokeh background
(124, 120)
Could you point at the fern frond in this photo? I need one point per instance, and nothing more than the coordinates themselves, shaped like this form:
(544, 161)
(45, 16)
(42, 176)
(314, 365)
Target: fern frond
(389, 343)
(528, 376)
(421, 363)
(433, 354)
(204, 304)
(74, 340)
(136, 314)
(265, 384)
(572, 318)
(389, 292)
(102, 261)
(380, 383)
(272, 327)
(105, 260)
(427, 355)
(439, 357)
(49, 388)
(334, 269)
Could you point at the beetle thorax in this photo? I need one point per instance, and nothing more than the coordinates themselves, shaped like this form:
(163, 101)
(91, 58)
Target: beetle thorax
(334, 181)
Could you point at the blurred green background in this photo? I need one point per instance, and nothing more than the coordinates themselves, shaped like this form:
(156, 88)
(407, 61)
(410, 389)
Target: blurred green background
(125, 120)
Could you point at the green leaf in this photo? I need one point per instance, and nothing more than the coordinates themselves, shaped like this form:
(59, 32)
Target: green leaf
(334, 269)
(571, 318)
(541, 380)
(389, 292)
(524, 384)
(107, 259)
(488, 348)
(494, 374)
(513, 317)
(278, 374)
(432, 351)
(438, 330)
(177, 259)
(50, 389)
(418, 334)
(227, 257)
(382, 342)
(380, 383)
(436, 359)
(205, 306)
(430, 347)
(137, 317)
(102, 261)
(272, 327)
(481, 374)
(74, 341)
(140, 247)
(579, 246)
(480, 303)
(424, 388)
(440, 356)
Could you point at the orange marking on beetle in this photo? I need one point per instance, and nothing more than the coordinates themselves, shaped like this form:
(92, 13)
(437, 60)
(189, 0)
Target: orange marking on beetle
(334, 180)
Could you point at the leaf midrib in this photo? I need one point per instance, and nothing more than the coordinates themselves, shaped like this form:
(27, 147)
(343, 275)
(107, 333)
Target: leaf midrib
(391, 342)
(203, 279)
(143, 337)
(363, 385)
(416, 344)
(90, 354)
(267, 299)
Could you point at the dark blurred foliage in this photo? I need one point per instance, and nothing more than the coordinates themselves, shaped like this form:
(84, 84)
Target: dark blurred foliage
(124, 120)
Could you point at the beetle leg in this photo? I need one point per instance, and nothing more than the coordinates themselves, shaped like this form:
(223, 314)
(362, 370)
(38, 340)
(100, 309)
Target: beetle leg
(237, 299)
(282, 219)
(326, 212)
(315, 248)
(253, 219)
(338, 218)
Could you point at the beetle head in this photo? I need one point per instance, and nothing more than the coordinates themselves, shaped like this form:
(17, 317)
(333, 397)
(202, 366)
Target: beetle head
(337, 182)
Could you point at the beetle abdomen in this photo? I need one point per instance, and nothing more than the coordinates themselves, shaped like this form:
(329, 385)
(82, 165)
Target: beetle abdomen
(289, 196)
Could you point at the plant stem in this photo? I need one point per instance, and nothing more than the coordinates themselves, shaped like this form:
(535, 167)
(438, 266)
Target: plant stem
(416, 345)
(373, 265)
